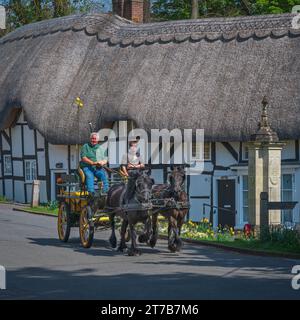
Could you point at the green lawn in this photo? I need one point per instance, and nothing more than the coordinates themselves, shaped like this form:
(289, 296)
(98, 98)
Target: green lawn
(257, 245)
(42, 209)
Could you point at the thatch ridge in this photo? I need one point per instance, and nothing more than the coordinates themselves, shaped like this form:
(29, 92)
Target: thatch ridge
(117, 30)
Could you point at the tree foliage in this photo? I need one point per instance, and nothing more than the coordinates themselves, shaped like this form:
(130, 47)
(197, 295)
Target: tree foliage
(181, 9)
(21, 12)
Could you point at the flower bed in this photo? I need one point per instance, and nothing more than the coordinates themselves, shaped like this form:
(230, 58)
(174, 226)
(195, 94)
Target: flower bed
(274, 239)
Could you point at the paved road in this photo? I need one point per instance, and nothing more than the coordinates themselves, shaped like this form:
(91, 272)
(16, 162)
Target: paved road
(40, 267)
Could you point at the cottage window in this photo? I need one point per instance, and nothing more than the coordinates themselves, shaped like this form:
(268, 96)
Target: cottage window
(245, 199)
(7, 165)
(287, 187)
(30, 170)
(207, 150)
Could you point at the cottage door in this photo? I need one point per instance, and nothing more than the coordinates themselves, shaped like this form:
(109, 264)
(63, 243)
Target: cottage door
(226, 200)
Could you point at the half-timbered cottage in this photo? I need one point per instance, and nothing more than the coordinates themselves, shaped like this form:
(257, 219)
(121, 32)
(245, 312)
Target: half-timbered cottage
(210, 74)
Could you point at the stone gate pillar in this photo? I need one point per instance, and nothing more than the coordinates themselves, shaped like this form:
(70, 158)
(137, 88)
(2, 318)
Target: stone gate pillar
(264, 170)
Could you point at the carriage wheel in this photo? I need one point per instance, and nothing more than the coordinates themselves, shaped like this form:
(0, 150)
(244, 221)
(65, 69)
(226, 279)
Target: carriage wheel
(64, 222)
(127, 235)
(86, 229)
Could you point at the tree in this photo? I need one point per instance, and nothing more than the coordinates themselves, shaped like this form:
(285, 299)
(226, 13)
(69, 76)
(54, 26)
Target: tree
(195, 9)
(21, 12)
(181, 9)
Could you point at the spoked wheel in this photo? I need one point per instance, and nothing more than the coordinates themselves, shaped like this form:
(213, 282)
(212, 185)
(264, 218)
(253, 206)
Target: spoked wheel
(86, 227)
(127, 235)
(64, 222)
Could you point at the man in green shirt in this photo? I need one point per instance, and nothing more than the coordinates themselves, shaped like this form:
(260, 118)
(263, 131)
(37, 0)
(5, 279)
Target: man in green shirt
(92, 160)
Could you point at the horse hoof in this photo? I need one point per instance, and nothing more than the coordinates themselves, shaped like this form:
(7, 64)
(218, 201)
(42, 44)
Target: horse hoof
(121, 248)
(152, 243)
(172, 248)
(142, 238)
(179, 245)
(134, 252)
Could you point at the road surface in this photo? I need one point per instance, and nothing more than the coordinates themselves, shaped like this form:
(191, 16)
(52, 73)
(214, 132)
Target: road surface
(39, 266)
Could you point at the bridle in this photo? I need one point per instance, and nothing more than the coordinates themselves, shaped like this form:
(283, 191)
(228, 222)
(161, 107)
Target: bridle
(141, 193)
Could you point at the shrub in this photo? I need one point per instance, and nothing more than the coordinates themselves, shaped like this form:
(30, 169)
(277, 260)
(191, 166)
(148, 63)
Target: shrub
(52, 205)
(280, 234)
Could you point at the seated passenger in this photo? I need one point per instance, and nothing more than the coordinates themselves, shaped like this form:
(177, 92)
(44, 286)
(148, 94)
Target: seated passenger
(132, 163)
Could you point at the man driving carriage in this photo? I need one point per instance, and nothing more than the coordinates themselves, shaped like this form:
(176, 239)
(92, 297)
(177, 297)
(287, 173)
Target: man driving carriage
(93, 159)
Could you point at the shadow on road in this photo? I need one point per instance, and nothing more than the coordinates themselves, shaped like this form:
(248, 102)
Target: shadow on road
(100, 247)
(45, 283)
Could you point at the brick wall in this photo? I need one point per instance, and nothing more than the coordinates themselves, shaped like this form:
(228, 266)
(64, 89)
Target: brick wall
(134, 10)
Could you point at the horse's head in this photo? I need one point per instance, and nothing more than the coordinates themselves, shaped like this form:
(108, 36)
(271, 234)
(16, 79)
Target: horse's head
(177, 178)
(144, 185)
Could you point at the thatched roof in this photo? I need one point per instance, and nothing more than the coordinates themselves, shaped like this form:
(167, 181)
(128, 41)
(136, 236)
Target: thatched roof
(208, 73)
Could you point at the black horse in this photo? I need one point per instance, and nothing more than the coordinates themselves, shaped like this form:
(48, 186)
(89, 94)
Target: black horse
(132, 205)
(176, 214)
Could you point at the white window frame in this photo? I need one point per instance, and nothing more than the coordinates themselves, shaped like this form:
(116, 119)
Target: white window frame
(32, 170)
(196, 148)
(245, 152)
(292, 190)
(7, 157)
(243, 205)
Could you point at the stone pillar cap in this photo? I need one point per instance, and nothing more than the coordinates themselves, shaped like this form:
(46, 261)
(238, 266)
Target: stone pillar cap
(264, 133)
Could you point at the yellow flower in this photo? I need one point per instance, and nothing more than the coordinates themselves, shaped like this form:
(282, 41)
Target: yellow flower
(78, 102)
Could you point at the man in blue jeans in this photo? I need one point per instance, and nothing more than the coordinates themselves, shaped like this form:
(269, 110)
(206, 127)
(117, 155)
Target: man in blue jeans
(92, 159)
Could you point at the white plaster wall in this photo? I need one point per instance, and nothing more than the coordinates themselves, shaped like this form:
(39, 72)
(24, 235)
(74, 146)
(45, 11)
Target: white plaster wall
(75, 156)
(29, 192)
(157, 175)
(41, 163)
(208, 166)
(288, 151)
(200, 185)
(223, 156)
(16, 140)
(8, 189)
(18, 168)
(5, 145)
(58, 153)
(28, 141)
(40, 141)
(19, 191)
(43, 192)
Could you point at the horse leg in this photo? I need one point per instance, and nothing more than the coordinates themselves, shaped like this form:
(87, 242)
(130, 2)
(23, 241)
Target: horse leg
(154, 235)
(172, 234)
(144, 237)
(113, 238)
(133, 251)
(123, 245)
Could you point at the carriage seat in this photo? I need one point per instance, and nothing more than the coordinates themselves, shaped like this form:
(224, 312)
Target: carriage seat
(82, 179)
(81, 175)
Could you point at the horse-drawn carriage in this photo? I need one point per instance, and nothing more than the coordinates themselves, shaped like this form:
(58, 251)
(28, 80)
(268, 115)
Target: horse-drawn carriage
(77, 208)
